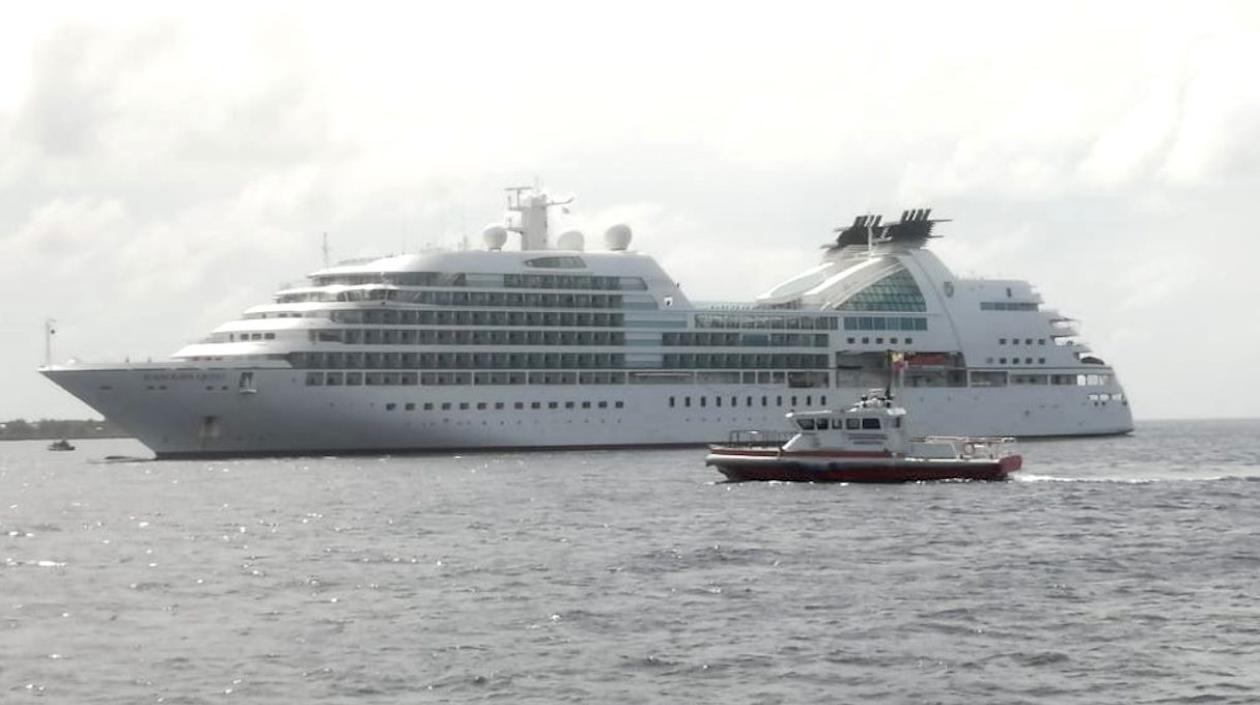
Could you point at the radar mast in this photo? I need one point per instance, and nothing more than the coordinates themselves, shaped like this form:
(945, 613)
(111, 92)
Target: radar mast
(532, 204)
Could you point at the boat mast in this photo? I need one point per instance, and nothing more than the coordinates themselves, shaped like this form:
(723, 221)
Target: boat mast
(49, 332)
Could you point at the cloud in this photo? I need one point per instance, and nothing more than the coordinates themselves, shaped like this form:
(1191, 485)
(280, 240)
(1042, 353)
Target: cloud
(162, 169)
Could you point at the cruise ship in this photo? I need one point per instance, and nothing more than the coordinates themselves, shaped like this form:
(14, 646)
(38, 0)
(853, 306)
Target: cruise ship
(555, 345)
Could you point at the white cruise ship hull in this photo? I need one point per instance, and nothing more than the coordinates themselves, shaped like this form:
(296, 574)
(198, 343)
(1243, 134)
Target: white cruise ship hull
(189, 411)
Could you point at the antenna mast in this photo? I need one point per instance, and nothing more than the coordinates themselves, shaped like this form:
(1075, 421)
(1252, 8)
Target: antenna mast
(325, 250)
(49, 332)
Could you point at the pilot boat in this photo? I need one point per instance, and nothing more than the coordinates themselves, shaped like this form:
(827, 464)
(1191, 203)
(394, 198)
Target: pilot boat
(867, 442)
(61, 444)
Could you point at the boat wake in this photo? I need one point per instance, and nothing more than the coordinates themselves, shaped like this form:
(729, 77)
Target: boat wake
(1134, 480)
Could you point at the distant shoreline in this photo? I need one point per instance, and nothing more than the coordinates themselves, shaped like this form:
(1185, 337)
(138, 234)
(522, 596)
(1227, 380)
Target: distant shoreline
(50, 429)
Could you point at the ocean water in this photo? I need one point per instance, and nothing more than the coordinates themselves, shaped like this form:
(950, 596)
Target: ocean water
(1118, 570)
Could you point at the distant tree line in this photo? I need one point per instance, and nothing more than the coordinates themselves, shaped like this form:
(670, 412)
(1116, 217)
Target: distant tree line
(21, 429)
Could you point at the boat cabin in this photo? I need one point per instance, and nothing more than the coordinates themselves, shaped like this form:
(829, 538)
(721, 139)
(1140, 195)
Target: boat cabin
(874, 423)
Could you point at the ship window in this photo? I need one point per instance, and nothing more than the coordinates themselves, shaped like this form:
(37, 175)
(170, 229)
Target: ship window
(852, 424)
(1014, 360)
(446, 406)
(897, 422)
(586, 405)
(1027, 341)
(568, 405)
(703, 401)
(1001, 341)
(778, 401)
(895, 292)
(1028, 361)
(866, 341)
(671, 402)
(1041, 361)
(837, 424)
(313, 379)
(852, 340)
(518, 405)
(805, 424)
(553, 405)
(391, 406)
(603, 405)
(909, 340)
(535, 405)
(734, 401)
(1001, 361)
(763, 401)
(893, 341)
(879, 341)
(809, 401)
(870, 424)
(687, 402)
(481, 406)
(1041, 341)
(793, 401)
(619, 404)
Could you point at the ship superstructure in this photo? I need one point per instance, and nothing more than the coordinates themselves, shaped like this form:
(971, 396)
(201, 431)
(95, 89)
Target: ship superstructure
(552, 345)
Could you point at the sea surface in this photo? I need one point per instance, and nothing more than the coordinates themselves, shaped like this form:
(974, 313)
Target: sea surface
(1116, 570)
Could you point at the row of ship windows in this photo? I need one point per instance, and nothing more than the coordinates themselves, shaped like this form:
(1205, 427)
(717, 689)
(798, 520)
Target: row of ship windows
(1027, 341)
(478, 318)
(1114, 396)
(500, 406)
(884, 323)
(795, 380)
(792, 340)
(373, 336)
(392, 360)
(766, 321)
(719, 360)
(1015, 361)
(1007, 306)
(703, 402)
(848, 424)
(986, 378)
(879, 341)
(490, 281)
(466, 298)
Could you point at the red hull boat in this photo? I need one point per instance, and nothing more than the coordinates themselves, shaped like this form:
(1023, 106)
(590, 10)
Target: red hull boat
(864, 443)
(773, 464)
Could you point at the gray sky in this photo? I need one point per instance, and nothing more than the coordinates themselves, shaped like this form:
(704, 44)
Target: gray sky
(161, 170)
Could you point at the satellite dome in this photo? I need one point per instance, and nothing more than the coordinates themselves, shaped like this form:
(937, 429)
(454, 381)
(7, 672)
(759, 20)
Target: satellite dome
(617, 237)
(495, 236)
(571, 240)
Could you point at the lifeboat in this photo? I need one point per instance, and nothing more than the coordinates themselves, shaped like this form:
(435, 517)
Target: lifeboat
(867, 442)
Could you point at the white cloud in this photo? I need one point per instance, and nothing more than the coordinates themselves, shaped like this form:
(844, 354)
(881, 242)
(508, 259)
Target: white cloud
(163, 168)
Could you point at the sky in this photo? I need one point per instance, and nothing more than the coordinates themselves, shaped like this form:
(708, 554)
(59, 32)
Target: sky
(164, 166)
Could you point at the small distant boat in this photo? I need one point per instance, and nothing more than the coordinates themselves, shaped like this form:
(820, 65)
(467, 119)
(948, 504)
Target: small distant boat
(868, 442)
(62, 444)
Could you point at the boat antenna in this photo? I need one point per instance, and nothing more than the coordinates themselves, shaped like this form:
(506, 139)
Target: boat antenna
(325, 251)
(50, 329)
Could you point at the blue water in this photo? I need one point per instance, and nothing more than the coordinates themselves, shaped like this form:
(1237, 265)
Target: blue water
(1119, 570)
